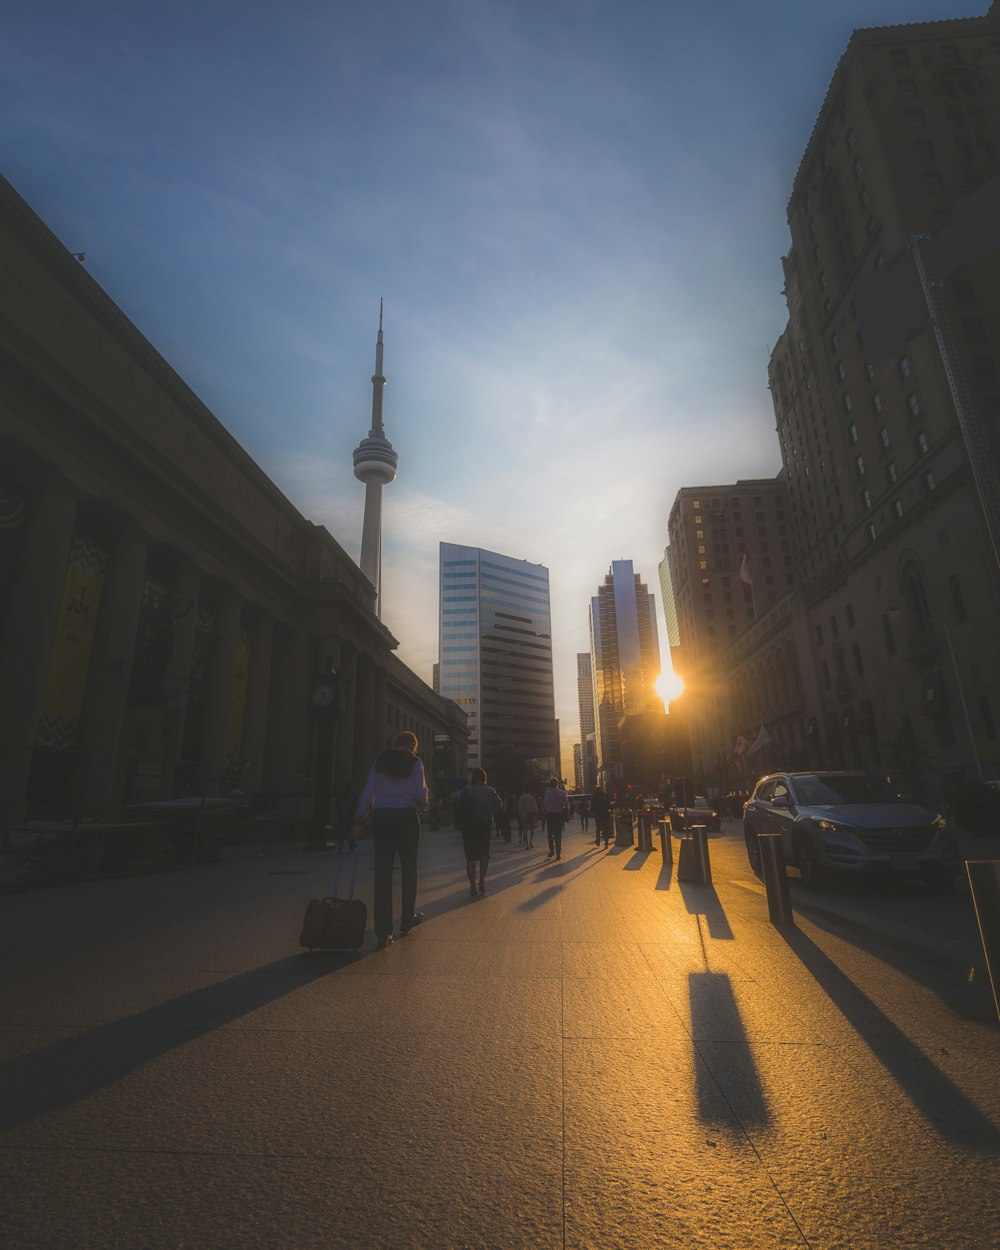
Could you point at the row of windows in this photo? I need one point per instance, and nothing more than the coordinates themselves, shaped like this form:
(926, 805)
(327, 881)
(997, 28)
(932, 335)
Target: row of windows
(501, 568)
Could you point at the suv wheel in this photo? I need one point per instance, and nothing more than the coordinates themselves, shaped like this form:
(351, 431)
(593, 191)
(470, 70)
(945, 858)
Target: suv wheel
(753, 850)
(814, 875)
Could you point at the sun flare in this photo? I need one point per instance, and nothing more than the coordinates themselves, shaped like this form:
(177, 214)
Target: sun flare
(668, 686)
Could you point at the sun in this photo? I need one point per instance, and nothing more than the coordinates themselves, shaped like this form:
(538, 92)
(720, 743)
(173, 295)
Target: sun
(668, 686)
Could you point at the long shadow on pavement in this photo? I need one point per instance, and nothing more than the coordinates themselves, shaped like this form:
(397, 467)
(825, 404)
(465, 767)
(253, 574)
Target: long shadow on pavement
(702, 900)
(65, 1071)
(715, 1013)
(938, 1099)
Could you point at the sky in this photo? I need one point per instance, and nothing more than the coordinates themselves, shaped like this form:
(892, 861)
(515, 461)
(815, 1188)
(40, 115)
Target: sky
(574, 210)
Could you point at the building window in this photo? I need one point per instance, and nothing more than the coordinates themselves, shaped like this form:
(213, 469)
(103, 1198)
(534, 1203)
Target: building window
(859, 666)
(904, 367)
(826, 674)
(819, 633)
(884, 436)
(890, 472)
(852, 429)
(849, 613)
(856, 167)
(841, 371)
(860, 464)
(986, 716)
(898, 507)
(834, 631)
(915, 119)
(849, 138)
(958, 600)
(929, 483)
(864, 199)
(877, 402)
(923, 149)
(906, 88)
(898, 58)
(866, 499)
(914, 405)
(949, 53)
(872, 533)
(845, 399)
(933, 180)
(922, 443)
(835, 341)
(888, 637)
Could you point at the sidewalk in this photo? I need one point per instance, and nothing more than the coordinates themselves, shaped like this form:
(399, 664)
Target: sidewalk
(591, 1055)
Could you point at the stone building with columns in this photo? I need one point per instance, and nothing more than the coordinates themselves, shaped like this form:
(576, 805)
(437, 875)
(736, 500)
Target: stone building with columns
(167, 616)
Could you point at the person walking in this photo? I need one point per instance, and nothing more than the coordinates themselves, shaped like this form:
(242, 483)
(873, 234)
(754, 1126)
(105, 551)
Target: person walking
(527, 818)
(477, 805)
(555, 809)
(583, 809)
(395, 793)
(600, 806)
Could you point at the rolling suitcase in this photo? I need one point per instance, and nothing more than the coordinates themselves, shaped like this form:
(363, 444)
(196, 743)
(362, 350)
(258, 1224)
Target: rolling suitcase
(336, 923)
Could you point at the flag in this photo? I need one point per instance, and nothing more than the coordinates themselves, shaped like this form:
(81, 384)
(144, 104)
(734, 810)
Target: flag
(746, 581)
(760, 742)
(741, 744)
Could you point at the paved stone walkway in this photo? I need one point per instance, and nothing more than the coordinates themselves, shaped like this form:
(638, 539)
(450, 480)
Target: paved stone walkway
(592, 1055)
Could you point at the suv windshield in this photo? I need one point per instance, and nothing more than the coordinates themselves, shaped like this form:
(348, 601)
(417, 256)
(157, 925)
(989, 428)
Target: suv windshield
(824, 791)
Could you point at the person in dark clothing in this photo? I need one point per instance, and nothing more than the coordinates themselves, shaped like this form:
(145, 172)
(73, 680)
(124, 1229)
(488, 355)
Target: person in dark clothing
(600, 809)
(477, 805)
(394, 794)
(555, 809)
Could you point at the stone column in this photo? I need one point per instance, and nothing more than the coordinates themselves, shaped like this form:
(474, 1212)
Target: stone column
(364, 687)
(29, 634)
(345, 771)
(261, 630)
(182, 605)
(219, 695)
(107, 690)
(380, 730)
(287, 710)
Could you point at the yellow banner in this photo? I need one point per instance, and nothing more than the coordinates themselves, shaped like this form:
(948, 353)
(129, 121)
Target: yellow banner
(59, 723)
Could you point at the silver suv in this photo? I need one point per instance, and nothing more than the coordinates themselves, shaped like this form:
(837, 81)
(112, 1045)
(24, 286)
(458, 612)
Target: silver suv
(846, 822)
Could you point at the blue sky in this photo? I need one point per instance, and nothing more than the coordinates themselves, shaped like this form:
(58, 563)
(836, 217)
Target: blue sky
(575, 212)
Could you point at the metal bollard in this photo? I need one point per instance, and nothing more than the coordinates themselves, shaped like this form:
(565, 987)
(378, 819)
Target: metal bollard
(700, 835)
(642, 832)
(984, 880)
(772, 858)
(666, 841)
(623, 829)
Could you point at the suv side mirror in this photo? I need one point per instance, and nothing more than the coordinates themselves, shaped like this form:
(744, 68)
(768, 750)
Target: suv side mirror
(781, 800)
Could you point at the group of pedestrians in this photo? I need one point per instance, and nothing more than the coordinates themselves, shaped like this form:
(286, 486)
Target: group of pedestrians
(395, 794)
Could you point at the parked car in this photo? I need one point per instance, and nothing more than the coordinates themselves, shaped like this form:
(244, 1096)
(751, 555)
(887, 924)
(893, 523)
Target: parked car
(699, 812)
(848, 823)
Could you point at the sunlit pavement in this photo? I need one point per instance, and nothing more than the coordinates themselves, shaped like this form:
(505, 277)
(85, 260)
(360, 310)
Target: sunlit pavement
(592, 1055)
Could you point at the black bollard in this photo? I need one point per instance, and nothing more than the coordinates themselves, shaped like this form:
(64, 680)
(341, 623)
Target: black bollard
(700, 835)
(666, 842)
(984, 880)
(772, 858)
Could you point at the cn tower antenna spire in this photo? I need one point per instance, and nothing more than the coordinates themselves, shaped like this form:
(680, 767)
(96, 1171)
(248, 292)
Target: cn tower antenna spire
(374, 464)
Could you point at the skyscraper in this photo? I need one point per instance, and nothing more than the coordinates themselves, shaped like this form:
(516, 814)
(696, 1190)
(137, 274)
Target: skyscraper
(495, 656)
(585, 702)
(625, 658)
(374, 464)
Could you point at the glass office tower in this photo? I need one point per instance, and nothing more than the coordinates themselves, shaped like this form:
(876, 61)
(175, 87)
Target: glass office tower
(495, 655)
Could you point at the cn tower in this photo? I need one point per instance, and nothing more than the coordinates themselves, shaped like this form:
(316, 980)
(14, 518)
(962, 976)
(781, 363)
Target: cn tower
(375, 465)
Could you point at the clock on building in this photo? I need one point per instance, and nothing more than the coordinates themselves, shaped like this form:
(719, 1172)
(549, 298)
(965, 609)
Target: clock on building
(324, 691)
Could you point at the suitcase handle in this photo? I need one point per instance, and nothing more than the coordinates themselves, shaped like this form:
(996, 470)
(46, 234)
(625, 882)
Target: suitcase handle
(340, 870)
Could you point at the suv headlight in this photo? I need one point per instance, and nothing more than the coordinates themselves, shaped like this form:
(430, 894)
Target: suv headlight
(939, 822)
(834, 826)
